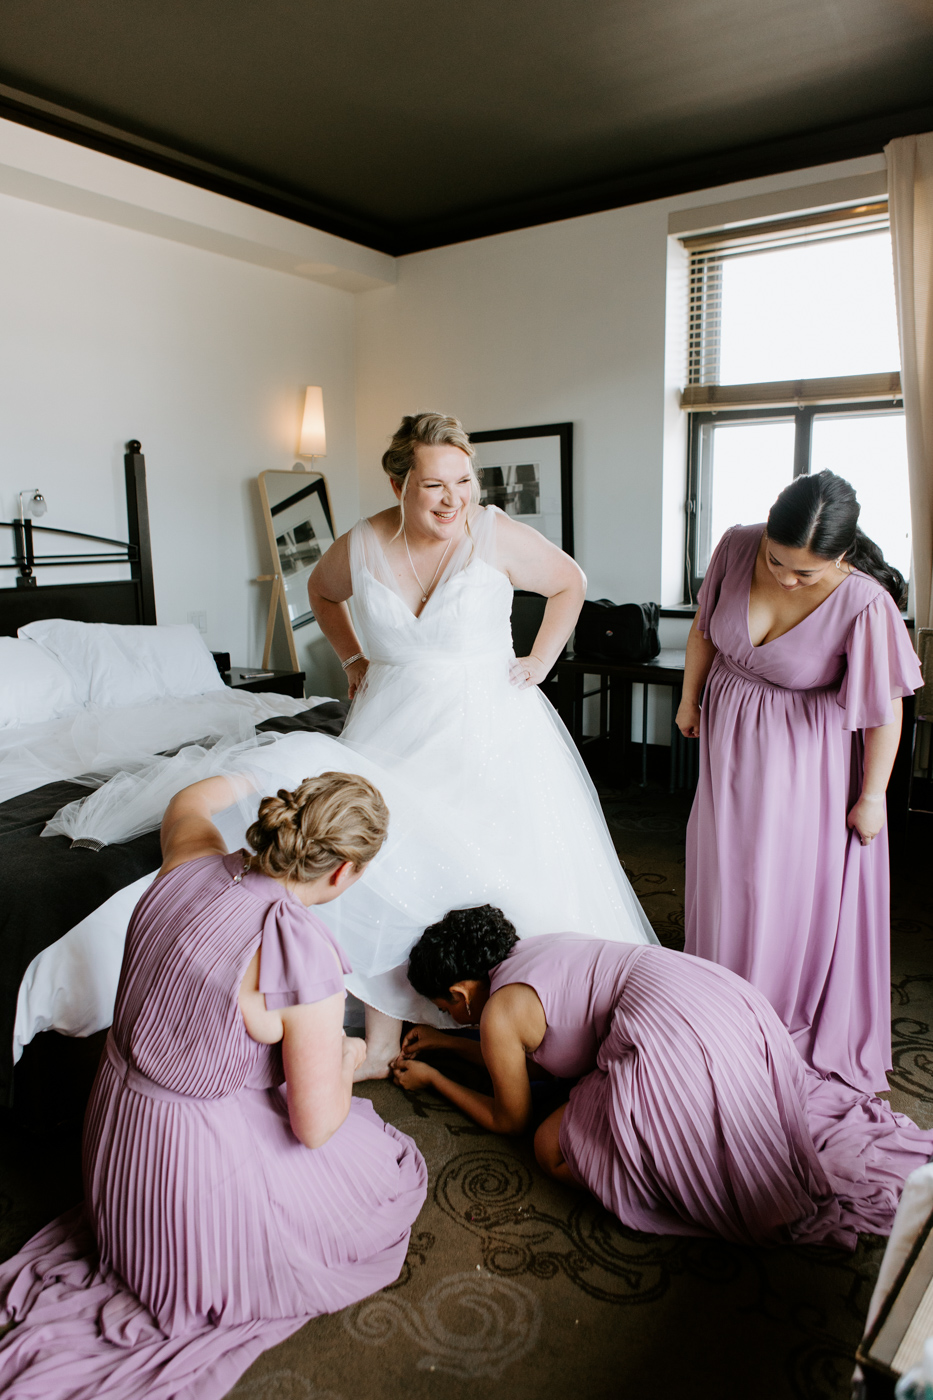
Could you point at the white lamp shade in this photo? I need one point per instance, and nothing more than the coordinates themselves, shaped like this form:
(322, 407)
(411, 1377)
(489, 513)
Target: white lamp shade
(312, 442)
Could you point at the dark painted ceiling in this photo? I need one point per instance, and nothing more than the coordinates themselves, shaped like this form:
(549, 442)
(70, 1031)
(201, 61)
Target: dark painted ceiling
(406, 124)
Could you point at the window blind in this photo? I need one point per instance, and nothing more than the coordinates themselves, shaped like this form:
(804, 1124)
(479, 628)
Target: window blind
(710, 251)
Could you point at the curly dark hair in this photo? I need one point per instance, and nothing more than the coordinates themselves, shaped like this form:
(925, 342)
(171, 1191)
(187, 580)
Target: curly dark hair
(464, 945)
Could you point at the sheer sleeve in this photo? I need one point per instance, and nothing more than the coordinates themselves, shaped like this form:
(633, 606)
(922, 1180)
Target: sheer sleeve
(881, 666)
(297, 965)
(708, 596)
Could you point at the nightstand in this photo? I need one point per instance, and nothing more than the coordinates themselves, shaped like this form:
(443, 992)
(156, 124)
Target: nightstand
(275, 682)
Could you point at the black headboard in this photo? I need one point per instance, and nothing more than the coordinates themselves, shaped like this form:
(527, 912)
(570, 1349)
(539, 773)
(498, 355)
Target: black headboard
(129, 600)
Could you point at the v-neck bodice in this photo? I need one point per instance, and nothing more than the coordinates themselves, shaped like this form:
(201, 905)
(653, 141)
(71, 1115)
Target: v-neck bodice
(767, 641)
(813, 654)
(467, 614)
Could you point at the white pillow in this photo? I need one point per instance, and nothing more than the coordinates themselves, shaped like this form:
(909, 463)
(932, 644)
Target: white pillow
(175, 656)
(33, 686)
(114, 665)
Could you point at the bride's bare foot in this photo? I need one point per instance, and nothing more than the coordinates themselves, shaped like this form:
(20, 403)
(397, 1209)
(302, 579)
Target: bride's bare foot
(375, 1066)
(383, 1042)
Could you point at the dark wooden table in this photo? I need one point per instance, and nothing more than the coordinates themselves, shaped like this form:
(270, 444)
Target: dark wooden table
(615, 680)
(271, 682)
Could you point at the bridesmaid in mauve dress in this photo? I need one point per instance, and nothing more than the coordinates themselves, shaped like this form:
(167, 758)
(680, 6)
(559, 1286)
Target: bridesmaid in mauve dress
(695, 1115)
(805, 659)
(220, 1213)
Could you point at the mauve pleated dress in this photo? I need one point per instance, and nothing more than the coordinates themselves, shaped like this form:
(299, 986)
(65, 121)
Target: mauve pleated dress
(778, 888)
(209, 1232)
(696, 1115)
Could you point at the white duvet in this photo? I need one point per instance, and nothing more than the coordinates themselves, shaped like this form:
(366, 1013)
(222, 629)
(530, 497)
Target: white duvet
(70, 986)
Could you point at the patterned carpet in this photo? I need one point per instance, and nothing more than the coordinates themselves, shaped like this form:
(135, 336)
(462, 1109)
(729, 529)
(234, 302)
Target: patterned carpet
(516, 1287)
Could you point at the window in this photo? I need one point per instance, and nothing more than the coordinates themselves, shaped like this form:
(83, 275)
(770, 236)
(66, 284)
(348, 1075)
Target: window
(793, 360)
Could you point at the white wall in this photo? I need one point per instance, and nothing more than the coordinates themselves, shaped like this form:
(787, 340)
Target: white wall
(134, 306)
(106, 334)
(562, 322)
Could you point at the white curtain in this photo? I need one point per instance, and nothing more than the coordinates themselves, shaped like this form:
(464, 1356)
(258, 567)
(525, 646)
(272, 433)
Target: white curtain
(910, 200)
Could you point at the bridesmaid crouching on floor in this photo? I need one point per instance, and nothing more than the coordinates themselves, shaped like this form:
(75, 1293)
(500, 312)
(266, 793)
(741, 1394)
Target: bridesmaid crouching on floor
(694, 1113)
(221, 1211)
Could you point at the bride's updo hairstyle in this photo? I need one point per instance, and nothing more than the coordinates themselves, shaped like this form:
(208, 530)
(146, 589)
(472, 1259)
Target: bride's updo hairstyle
(462, 947)
(327, 820)
(820, 513)
(425, 430)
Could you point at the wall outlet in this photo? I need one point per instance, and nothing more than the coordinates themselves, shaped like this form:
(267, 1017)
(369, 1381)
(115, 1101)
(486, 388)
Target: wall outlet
(199, 620)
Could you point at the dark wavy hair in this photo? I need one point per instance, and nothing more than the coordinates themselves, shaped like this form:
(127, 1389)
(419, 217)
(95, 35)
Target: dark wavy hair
(820, 513)
(464, 945)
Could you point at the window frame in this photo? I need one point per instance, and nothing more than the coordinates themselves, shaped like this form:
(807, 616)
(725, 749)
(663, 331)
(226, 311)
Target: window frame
(801, 415)
(705, 400)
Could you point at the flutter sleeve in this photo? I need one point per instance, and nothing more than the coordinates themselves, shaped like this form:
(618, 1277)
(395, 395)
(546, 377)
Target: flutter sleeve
(708, 596)
(297, 966)
(881, 666)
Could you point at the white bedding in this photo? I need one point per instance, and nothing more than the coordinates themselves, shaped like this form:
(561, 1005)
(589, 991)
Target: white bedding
(70, 986)
(99, 741)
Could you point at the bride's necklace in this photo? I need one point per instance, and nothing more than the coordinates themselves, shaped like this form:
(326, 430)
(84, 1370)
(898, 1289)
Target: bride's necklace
(425, 591)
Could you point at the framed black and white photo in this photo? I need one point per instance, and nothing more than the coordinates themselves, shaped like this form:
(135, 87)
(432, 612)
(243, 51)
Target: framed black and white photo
(528, 473)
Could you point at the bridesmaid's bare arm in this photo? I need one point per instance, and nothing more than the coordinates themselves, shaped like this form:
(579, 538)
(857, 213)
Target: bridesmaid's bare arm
(319, 1061)
(700, 656)
(508, 1109)
(187, 829)
(329, 587)
(422, 1039)
(867, 817)
(536, 565)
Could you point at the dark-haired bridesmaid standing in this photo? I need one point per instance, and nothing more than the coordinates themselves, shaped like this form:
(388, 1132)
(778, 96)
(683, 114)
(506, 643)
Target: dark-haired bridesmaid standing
(805, 659)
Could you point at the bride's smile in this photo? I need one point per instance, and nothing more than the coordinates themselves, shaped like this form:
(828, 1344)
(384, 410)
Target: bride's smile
(436, 496)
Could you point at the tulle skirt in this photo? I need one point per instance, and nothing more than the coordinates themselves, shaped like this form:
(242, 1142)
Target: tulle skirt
(489, 803)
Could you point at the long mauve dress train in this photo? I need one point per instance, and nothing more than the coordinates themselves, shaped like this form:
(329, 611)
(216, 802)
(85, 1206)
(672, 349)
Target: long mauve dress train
(778, 888)
(209, 1231)
(696, 1115)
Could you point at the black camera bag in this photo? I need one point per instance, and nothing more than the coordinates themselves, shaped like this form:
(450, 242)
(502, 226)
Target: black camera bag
(608, 631)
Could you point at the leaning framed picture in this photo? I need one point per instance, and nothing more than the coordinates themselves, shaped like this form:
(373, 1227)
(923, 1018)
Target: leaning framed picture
(528, 473)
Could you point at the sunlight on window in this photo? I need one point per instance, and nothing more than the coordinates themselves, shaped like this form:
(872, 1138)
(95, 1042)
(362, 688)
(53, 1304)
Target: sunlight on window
(870, 451)
(749, 465)
(811, 311)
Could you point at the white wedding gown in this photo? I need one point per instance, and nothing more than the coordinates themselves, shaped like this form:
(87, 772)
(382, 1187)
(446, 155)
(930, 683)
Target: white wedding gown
(489, 801)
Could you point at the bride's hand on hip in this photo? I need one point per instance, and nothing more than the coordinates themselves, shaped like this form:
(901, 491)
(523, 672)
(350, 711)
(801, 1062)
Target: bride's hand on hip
(526, 671)
(356, 676)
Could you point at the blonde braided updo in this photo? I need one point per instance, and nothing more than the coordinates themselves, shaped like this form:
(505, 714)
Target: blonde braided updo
(326, 821)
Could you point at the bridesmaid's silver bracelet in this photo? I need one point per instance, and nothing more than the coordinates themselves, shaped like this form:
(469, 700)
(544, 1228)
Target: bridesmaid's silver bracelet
(357, 656)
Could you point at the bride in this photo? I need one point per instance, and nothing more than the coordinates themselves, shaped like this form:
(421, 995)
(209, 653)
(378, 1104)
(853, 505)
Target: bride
(463, 740)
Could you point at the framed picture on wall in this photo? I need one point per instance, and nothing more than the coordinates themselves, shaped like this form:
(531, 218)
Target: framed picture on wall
(528, 473)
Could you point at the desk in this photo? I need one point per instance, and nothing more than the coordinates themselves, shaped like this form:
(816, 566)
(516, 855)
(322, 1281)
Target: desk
(615, 709)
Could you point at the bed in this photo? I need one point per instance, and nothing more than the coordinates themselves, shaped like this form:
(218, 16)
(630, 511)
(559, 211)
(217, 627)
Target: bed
(91, 685)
